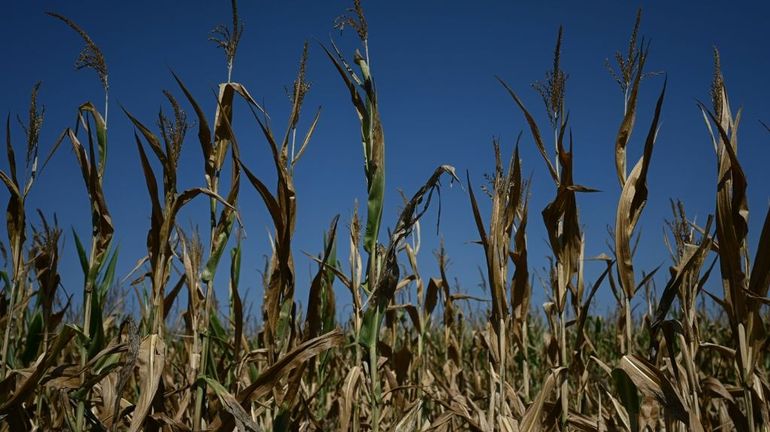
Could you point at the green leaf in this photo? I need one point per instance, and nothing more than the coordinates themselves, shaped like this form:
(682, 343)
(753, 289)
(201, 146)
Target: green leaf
(81, 253)
(109, 275)
(370, 327)
(282, 420)
(236, 306)
(218, 335)
(374, 207)
(328, 304)
(284, 320)
(96, 326)
(235, 272)
(34, 337)
(6, 281)
(629, 396)
(220, 243)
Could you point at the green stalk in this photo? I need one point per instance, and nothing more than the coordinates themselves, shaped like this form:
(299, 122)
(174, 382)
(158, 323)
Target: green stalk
(200, 392)
(94, 260)
(88, 292)
(230, 46)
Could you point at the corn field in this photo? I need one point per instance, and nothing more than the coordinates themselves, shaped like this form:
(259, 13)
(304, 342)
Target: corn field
(436, 359)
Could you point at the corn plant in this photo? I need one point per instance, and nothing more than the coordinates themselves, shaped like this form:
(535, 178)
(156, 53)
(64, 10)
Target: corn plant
(561, 215)
(16, 221)
(414, 352)
(509, 207)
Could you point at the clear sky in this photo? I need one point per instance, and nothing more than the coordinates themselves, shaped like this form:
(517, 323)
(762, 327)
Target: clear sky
(434, 63)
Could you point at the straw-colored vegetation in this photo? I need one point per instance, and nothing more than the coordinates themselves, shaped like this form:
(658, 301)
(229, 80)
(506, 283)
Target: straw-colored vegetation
(389, 366)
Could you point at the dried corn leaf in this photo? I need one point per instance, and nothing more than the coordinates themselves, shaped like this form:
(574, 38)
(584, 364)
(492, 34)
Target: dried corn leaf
(532, 420)
(242, 419)
(631, 203)
(652, 382)
(151, 361)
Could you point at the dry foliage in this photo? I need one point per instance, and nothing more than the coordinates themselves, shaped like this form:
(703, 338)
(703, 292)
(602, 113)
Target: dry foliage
(392, 365)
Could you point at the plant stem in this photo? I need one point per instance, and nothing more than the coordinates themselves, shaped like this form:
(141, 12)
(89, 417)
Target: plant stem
(106, 108)
(749, 408)
(564, 390)
(501, 372)
(525, 343)
(6, 337)
(200, 392)
(556, 146)
(357, 330)
(629, 324)
(375, 381)
(88, 293)
(15, 286)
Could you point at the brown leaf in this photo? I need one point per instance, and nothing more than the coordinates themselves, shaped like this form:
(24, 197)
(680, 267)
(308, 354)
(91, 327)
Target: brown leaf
(535, 131)
(270, 377)
(242, 419)
(349, 396)
(151, 360)
(651, 381)
(631, 203)
(627, 125)
(38, 369)
(532, 417)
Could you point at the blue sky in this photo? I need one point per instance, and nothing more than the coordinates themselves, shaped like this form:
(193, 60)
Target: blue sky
(434, 63)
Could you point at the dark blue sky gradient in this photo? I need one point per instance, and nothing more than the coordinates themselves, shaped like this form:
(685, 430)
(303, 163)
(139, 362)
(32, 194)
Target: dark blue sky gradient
(434, 63)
